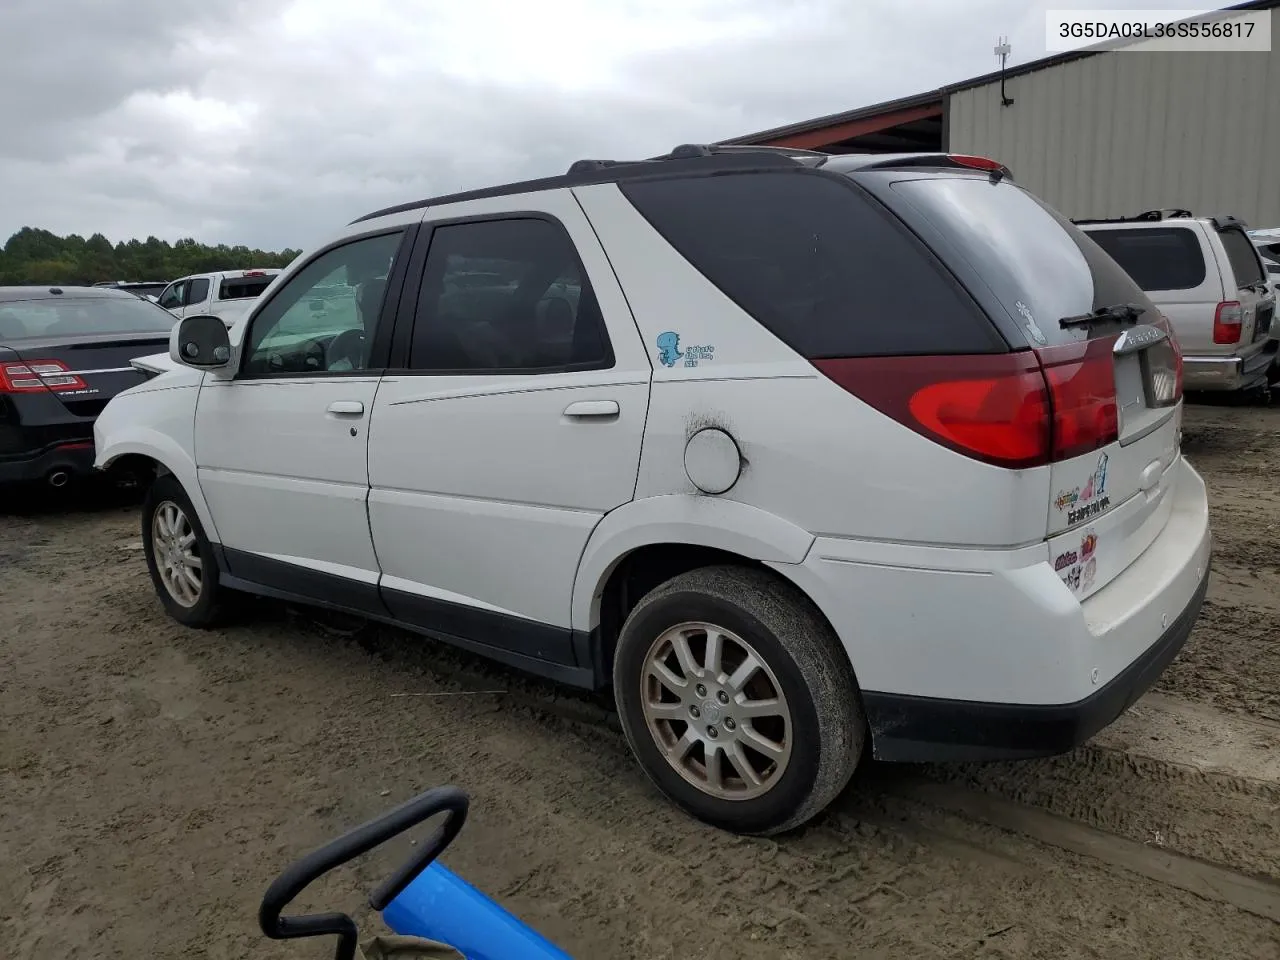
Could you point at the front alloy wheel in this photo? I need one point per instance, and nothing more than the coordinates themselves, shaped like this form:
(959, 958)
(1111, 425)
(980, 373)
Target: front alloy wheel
(177, 557)
(180, 557)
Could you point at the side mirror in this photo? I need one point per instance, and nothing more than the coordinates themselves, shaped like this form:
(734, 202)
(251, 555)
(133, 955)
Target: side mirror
(201, 342)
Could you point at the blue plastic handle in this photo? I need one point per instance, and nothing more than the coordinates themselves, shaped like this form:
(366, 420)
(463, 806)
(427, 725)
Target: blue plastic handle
(440, 905)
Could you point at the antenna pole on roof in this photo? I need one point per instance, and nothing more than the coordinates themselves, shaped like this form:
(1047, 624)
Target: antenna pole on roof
(1002, 51)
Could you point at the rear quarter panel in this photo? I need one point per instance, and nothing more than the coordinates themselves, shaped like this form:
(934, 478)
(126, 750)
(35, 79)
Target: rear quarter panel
(811, 453)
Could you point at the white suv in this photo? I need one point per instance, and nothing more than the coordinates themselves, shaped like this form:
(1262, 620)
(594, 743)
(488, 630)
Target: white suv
(806, 456)
(1205, 274)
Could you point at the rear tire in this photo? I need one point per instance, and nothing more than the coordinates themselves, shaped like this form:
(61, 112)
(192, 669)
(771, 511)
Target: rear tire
(179, 556)
(747, 749)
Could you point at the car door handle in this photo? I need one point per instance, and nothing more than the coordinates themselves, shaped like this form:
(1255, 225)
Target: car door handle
(347, 408)
(592, 408)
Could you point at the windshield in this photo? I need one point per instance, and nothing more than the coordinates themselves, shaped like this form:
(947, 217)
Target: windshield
(1040, 266)
(86, 317)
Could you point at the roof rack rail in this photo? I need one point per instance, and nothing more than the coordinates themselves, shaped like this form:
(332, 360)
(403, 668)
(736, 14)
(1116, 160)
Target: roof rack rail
(693, 151)
(685, 151)
(1149, 216)
(694, 158)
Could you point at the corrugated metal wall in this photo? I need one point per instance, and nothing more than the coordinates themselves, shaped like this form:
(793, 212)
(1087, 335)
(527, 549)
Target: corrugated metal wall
(1119, 133)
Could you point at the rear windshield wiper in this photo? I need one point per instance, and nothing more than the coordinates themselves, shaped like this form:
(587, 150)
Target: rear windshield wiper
(1116, 313)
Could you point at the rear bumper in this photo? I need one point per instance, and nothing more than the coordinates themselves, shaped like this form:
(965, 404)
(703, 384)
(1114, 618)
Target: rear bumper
(1229, 373)
(74, 458)
(968, 654)
(920, 729)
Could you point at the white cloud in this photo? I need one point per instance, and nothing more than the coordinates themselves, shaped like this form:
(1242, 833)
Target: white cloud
(272, 122)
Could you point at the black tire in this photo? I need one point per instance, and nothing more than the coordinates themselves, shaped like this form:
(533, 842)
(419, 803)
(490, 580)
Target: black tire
(787, 632)
(210, 606)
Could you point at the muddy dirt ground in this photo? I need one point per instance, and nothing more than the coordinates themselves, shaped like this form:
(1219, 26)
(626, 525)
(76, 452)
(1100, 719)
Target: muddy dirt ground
(154, 779)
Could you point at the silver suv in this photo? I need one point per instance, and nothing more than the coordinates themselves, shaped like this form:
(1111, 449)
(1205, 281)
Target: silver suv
(1207, 277)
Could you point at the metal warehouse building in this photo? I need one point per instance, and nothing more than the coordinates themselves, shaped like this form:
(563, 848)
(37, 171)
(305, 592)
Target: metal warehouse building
(1098, 133)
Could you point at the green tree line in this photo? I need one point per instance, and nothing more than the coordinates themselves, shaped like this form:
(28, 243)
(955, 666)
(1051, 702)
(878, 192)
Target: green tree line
(39, 257)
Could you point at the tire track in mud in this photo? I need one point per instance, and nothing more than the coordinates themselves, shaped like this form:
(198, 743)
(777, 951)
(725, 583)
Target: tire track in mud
(1232, 661)
(1200, 826)
(257, 742)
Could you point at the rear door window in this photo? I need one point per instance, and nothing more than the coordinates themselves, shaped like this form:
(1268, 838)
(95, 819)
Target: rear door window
(824, 267)
(507, 295)
(1039, 265)
(1243, 256)
(1165, 258)
(198, 291)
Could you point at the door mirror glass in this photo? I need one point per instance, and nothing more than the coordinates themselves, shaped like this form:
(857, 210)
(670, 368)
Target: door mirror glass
(201, 342)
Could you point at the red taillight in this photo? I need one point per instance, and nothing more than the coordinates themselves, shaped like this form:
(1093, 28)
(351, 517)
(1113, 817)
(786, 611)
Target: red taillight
(1175, 349)
(992, 407)
(1228, 321)
(34, 376)
(1012, 410)
(1082, 392)
(978, 163)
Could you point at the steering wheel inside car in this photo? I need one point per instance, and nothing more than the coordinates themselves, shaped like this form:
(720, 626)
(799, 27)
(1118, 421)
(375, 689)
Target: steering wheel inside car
(348, 346)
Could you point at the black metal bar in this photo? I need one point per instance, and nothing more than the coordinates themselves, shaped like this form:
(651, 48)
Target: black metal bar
(299, 875)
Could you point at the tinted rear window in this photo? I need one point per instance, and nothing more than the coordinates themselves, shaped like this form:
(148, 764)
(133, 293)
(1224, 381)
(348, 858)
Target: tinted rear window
(241, 289)
(1035, 261)
(825, 268)
(69, 317)
(1243, 257)
(1168, 258)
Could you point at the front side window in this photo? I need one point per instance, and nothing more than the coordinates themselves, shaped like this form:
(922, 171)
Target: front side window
(506, 295)
(174, 295)
(323, 319)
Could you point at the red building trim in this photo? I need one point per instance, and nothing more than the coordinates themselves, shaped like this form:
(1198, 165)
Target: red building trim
(826, 136)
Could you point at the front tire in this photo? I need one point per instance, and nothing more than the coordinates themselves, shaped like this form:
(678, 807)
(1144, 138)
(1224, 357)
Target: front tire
(180, 558)
(738, 700)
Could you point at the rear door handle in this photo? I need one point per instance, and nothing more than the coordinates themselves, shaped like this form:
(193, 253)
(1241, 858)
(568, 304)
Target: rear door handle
(347, 408)
(592, 408)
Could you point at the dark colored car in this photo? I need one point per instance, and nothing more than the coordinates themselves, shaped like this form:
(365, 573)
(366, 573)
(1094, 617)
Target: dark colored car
(64, 352)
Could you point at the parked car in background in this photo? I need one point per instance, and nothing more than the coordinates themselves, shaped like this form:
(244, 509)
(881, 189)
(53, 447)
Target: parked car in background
(803, 455)
(64, 352)
(227, 294)
(1206, 276)
(148, 289)
(1267, 241)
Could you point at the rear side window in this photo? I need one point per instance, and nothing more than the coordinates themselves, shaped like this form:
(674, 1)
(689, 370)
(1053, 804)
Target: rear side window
(1244, 258)
(1168, 258)
(240, 288)
(825, 268)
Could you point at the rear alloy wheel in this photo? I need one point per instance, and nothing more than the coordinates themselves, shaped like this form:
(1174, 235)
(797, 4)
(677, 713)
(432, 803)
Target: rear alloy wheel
(179, 556)
(738, 699)
(717, 711)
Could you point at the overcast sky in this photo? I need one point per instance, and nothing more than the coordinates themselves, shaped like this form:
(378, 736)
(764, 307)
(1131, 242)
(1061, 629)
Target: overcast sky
(273, 122)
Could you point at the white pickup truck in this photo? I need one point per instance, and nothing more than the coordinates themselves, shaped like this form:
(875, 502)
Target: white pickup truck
(228, 294)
